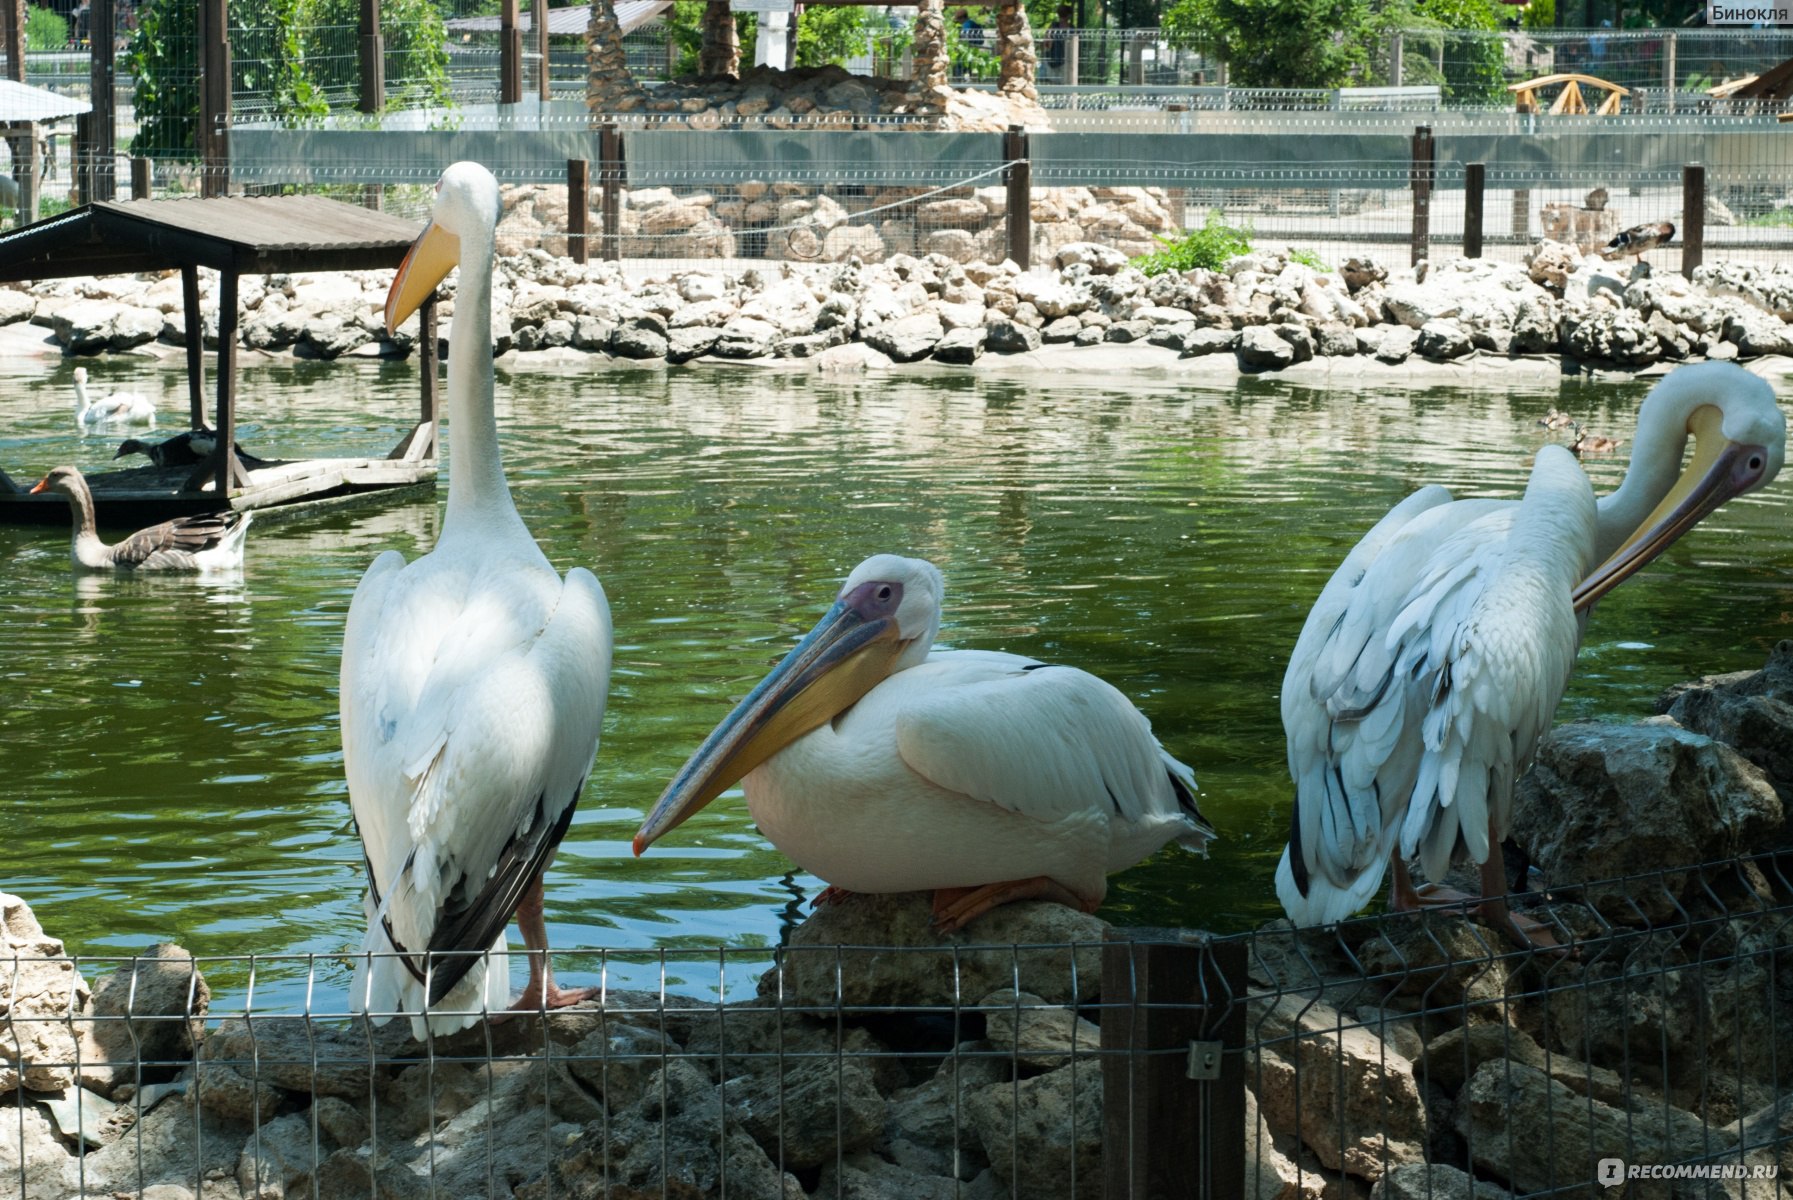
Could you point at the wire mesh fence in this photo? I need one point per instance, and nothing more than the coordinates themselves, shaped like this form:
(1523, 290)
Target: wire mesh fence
(1414, 1052)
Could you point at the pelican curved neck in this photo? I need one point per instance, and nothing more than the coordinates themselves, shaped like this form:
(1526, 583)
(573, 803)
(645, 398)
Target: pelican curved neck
(477, 492)
(1656, 454)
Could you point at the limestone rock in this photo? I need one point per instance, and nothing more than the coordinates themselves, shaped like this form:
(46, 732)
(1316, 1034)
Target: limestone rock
(1434, 1181)
(907, 338)
(882, 977)
(1750, 711)
(1359, 273)
(37, 997)
(817, 1109)
(151, 1009)
(868, 1177)
(1039, 1035)
(1261, 348)
(962, 346)
(745, 337)
(1350, 1097)
(1606, 801)
(1396, 344)
(1536, 1134)
(1444, 340)
(1008, 336)
(1043, 1136)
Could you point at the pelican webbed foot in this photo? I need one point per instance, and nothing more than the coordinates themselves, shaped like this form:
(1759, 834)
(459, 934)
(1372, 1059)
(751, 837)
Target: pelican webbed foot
(955, 908)
(831, 895)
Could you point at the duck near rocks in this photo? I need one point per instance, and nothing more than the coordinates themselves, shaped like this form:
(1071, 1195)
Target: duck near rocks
(206, 542)
(472, 691)
(184, 450)
(120, 408)
(880, 764)
(1638, 240)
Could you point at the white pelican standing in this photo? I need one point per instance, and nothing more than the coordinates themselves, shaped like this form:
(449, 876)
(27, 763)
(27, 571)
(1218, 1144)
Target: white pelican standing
(473, 686)
(120, 408)
(1434, 659)
(881, 765)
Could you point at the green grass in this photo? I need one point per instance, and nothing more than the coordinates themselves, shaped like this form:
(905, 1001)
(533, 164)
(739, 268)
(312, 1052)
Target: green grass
(1308, 258)
(1210, 247)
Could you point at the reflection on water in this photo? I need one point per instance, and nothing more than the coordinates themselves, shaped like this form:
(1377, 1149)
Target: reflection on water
(171, 744)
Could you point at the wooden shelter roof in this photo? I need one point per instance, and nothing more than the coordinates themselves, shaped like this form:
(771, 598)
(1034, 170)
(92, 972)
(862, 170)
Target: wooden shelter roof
(246, 235)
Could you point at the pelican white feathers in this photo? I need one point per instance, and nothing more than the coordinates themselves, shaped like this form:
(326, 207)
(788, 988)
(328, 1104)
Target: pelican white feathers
(882, 765)
(1433, 661)
(473, 687)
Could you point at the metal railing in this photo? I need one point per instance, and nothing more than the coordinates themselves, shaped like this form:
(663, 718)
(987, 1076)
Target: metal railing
(1163, 1063)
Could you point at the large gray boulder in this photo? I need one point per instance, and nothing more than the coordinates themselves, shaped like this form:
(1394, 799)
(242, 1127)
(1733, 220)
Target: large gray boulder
(1750, 711)
(1043, 1136)
(1030, 942)
(152, 1009)
(39, 992)
(1607, 801)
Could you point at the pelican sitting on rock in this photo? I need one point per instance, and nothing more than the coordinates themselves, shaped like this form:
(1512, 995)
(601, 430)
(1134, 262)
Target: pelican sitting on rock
(473, 688)
(120, 408)
(204, 542)
(1433, 661)
(881, 764)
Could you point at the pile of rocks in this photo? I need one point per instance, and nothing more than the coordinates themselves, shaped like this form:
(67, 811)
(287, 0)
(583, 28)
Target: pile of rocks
(1391, 1058)
(827, 97)
(804, 222)
(1263, 312)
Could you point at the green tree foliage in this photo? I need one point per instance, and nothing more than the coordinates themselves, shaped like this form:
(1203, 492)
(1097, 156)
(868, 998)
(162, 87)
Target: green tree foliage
(1277, 43)
(1474, 60)
(44, 30)
(833, 34)
(291, 58)
(1540, 14)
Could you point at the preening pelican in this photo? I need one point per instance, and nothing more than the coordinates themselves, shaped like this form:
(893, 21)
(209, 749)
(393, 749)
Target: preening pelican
(473, 686)
(120, 408)
(204, 542)
(1433, 660)
(882, 765)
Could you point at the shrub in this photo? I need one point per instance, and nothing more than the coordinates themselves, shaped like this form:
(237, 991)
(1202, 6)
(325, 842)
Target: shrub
(1210, 247)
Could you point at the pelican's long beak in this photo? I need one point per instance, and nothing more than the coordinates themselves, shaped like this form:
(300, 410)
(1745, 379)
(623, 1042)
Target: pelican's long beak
(1719, 470)
(431, 257)
(841, 659)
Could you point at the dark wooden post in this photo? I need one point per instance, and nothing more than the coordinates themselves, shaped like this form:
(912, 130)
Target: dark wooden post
(1423, 151)
(214, 97)
(372, 97)
(1020, 195)
(1693, 217)
(1173, 1065)
(610, 179)
(24, 148)
(578, 209)
(195, 340)
(100, 178)
(539, 16)
(81, 154)
(1475, 180)
(140, 179)
(510, 54)
(229, 470)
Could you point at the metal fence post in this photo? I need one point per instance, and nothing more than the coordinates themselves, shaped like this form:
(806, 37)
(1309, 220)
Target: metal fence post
(578, 209)
(610, 180)
(1423, 151)
(1020, 195)
(1173, 1065)
(1693, 217)
(1475, 178)
(1669, 70)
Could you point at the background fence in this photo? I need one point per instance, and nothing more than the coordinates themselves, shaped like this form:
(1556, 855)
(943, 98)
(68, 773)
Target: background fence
(1412, 1051)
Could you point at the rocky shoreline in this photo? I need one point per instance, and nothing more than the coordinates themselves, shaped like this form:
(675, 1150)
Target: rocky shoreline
(1262, 313)
(1393, 1058)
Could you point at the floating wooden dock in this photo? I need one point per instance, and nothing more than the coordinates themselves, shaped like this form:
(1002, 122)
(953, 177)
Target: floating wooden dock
(235, 236)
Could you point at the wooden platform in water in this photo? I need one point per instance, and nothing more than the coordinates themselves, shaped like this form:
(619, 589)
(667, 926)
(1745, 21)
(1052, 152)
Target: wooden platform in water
(145, 495)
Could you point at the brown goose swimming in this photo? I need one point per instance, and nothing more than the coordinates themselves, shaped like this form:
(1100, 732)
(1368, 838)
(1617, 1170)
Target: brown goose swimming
(206, 542)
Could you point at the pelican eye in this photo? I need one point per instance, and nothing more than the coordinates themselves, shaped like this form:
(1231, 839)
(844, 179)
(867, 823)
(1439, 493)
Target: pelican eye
(884, 592)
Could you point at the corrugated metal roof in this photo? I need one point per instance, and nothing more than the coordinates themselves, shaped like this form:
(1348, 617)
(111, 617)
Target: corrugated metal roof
(20, 103)
(247, 234)
(569, 22)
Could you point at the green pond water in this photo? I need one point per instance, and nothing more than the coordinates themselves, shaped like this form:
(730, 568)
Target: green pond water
(169, 746)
